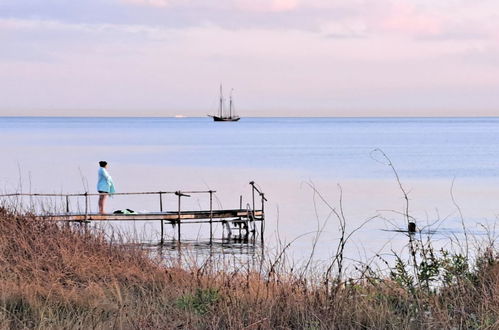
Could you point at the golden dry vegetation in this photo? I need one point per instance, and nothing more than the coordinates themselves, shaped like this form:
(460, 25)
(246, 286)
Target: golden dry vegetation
(54, 277)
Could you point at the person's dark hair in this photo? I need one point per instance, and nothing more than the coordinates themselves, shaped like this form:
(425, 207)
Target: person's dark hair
(102, 163)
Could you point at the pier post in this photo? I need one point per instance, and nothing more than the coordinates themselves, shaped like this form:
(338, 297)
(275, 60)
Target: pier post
(263, 204)
(252, 183)
(179, 194)
(211, 215)
(162, 222)
(262, 225)
(67, 204)
(178, 221)
(86, 206)
(160, 201)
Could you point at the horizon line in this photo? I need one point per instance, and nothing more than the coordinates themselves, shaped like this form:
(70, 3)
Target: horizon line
(186, 117)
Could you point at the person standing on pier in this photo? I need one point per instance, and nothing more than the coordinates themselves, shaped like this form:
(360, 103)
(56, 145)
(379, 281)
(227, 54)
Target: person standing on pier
(105, 185)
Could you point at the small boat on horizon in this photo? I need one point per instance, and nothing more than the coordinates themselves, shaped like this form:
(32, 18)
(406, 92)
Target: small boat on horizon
(223, 114)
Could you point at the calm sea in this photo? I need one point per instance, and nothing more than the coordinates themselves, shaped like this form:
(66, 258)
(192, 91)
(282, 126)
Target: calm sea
(435, 158)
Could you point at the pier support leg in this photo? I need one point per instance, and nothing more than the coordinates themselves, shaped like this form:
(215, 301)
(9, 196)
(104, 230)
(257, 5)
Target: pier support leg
(262, 229)
(162, 222)
(178, 221)
(86, 206)
(161, 202)
(162, 232)
(85, 222)
(262, 223)
(211, 216)
(253, 194)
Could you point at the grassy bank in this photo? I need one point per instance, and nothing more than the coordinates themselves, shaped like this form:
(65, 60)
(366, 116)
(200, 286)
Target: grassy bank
(61, 277)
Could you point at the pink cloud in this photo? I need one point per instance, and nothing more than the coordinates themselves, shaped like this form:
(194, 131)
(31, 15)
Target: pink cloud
(244, 5)
(407, 19)
(267, 5)
(153, 3)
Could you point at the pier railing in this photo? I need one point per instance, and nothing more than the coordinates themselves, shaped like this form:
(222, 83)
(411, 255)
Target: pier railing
(87, 215)
(87, 196)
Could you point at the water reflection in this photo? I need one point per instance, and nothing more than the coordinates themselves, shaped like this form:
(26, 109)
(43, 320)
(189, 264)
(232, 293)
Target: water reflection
(234, 250)
(226, 245)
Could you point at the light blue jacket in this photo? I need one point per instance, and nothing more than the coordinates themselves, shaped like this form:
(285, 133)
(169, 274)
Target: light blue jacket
(105, 182)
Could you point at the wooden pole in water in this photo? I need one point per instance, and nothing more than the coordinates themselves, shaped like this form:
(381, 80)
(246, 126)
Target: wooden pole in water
(178, 221)
(162, 222)
(252, 183)
(86, 206)
(211, 215)
(253, 195)
(67, 204)
(262, 226)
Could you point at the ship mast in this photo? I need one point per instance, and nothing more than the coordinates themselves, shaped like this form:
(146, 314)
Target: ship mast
(230, 104)
(221, 108)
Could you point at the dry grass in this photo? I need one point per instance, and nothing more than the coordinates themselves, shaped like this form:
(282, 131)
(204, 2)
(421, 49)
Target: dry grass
(62, 277)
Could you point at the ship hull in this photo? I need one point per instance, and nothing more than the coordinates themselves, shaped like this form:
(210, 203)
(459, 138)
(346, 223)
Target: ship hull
(216, 118)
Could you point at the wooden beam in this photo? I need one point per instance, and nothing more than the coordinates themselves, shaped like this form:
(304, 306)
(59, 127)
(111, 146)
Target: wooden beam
(168, 216)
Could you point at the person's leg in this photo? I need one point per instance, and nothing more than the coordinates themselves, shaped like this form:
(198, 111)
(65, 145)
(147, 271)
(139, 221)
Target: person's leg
(104, 199)
(102, 202)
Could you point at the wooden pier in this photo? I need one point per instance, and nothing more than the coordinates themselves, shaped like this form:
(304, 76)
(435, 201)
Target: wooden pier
(242, 220)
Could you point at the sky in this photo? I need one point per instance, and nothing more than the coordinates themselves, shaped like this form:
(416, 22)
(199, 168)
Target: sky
(281, 57)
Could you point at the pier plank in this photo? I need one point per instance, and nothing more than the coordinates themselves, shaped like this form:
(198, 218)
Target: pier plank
(185, 216)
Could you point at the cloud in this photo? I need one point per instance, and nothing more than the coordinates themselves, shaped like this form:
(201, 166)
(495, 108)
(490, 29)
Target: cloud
(151, 54)
(267, 5)
(405, 19)
(155, 3)
(47, 26)
(345, 36)
(249, 6)
(243, 5)
(420, 19)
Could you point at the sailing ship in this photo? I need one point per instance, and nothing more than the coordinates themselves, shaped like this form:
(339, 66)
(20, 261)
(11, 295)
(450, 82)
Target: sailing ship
(225, 114)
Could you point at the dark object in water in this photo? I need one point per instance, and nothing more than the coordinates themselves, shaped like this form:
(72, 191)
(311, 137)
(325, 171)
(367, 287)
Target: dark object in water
(411, 228)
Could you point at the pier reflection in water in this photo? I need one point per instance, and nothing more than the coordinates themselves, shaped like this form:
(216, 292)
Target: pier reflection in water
(227, 253)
